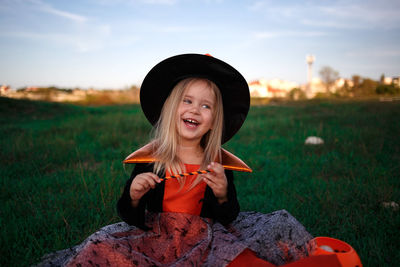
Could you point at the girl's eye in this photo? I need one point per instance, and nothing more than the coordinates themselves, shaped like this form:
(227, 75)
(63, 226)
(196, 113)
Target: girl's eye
(187, 101)
(206, 106)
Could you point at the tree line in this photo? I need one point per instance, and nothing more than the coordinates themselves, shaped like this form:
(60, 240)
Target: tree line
(357, 85)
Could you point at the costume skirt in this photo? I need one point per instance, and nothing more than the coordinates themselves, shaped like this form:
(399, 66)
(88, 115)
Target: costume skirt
(178, 239)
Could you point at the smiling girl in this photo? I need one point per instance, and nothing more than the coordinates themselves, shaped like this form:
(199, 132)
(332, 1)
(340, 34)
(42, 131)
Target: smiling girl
(196, 103)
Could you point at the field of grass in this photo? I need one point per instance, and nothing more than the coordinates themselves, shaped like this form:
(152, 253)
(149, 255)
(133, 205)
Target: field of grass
(61, 172)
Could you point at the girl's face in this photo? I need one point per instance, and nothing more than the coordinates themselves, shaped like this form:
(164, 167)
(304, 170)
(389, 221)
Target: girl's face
(195, 113)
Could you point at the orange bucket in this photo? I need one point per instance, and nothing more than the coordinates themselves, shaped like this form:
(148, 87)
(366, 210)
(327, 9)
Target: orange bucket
(347, 256)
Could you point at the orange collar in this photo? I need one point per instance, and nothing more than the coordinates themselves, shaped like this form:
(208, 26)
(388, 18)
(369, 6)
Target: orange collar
(229, 161)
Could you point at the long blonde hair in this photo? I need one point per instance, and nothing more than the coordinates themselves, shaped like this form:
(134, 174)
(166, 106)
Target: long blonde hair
(166, 138)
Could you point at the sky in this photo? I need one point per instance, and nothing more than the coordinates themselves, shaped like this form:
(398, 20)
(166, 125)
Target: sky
(112, 44)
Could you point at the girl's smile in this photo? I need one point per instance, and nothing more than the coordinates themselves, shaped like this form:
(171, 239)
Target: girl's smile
(195, 112)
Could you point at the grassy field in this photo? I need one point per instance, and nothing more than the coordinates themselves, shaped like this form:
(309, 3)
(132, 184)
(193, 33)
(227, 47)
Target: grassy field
(61, 172)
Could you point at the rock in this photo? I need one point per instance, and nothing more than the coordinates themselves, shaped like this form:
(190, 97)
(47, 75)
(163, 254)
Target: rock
(393, 205)
(314, 140)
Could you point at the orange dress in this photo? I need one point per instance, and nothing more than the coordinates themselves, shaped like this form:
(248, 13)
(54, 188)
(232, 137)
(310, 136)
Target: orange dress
(183, 198)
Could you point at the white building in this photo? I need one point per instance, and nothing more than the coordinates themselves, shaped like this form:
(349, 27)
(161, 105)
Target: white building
(4, 89)
(318, 86)
(271, 88)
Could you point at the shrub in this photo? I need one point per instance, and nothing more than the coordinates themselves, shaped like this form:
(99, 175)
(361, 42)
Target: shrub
(384, 89)
(296, 94)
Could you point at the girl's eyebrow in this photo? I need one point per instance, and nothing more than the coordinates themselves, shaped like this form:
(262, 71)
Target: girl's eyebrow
(208, 102)
(202, 100)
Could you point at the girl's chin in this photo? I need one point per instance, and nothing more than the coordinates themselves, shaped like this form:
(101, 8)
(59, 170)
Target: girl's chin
(189, 136)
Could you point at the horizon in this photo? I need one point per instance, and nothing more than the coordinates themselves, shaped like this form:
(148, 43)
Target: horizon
(315, 80)
(103, 44)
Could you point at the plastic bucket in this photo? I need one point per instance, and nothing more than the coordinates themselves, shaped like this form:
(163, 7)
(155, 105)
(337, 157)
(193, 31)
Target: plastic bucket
(347, 256)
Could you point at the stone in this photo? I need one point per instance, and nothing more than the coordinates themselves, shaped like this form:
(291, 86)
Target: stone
(314, 140)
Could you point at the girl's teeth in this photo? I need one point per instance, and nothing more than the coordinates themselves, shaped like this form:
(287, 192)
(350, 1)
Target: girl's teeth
(191, 121)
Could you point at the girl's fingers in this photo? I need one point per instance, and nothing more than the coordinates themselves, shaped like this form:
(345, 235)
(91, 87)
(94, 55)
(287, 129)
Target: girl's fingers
(216, 180)
(150, 178)
(153, 177)
(216, 167)
(219, 190)
(216, 175)
(150, 183)
(144, 181)
(144, 184)
(209, 181)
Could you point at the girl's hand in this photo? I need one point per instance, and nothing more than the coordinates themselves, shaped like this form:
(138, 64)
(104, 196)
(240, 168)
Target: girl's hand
(217, 181)
(141, 184)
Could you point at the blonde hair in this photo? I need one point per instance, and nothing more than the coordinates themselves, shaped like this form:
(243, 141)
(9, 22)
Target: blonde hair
(166, 138)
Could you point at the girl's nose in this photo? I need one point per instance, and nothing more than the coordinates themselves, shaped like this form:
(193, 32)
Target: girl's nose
(195, 109)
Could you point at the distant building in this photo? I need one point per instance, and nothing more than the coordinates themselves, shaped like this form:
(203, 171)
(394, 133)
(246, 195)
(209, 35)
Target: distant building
(387, 80)
(271, 88)
(317, 86)
(31, 89)
(392, 80)
(4, 89)
(396, 81)
(339, 83)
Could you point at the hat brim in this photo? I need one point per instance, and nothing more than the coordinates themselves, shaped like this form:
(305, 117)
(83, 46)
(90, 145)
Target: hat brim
(162, 78)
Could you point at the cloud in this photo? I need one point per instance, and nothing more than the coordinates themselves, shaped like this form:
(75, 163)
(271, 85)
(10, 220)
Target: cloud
(64, 14)
(329, 23)
(268, 35)
(178, 29)
(160, 2)
(88, 38)
(132, 2)
(379, 53)
(78, 33)
(54, 11)
(258, 5)
(359, 14)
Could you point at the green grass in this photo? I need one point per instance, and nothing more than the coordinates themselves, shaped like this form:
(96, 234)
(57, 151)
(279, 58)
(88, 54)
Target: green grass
(61, 172)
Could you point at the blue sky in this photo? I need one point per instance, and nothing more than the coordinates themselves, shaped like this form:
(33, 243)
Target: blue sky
(113, 44)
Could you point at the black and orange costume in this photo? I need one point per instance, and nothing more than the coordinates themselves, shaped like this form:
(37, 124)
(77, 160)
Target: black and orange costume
(198, 201)
(154, 200)
(175, 226)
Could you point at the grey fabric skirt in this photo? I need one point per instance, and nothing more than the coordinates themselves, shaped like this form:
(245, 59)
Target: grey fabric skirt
(178, 239)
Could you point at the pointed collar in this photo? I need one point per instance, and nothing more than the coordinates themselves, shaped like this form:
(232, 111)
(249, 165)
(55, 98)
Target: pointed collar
(229, 161)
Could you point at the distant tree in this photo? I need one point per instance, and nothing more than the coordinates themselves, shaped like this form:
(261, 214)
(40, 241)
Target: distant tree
(134, 88)
(356, 84)
(382, 79)
(136, 91)
(346, 86)
(356, 81)
(346, 90)
(387, 89)
(328, 77)
(368, 86)
(296, 94)
(364, 86)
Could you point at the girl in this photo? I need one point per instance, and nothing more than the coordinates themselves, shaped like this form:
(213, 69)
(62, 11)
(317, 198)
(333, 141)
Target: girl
(180, 204)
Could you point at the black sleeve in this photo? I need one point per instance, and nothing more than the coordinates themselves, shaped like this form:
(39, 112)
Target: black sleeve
(226, 212)
(129, 214)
